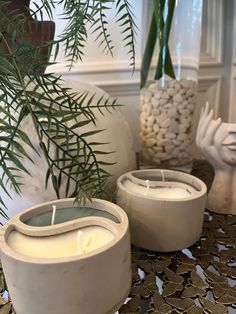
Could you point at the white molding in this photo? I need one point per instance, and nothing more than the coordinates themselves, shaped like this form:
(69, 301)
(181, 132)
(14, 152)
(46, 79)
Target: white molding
(232, 108)
(234, 40)
(205, 83)
(93, 67)
(212, 51)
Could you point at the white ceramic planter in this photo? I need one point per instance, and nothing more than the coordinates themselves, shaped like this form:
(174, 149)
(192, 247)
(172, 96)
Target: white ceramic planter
(163, 225)
(95, 282)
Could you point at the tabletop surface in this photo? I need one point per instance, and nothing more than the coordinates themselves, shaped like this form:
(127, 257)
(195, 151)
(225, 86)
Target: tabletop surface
(200, 279)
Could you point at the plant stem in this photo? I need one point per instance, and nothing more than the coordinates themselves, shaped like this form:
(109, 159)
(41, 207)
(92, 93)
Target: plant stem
(149, 49)
(164, 64)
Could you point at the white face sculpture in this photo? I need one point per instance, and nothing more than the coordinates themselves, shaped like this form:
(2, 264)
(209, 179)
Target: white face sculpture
(225, 142)
(216, 140)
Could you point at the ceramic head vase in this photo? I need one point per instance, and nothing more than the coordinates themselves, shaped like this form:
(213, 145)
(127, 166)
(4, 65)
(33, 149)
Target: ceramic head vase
(217, 142)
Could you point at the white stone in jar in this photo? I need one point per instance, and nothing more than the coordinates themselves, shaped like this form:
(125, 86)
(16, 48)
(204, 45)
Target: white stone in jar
(151, 120)
(167, 106)
(170, 135)
(185, 103)
(148, 130)
(171, 91)
(182, 91)
(156, 128)
(157, 149)
(184, 112)
(165, 95)
(164, 142)
(169, 148)
(159, 137)
(189, 93)
(155, 102)
(185, 83)
(182, 128)
(165, 123)
(177, 85)
(163, 131)
(176, 142)
(150, 142)
(178, 98)
(163, 101)
(156, 112)
(147, 95)
(182, 137)
(174, 127)
(151, 135)
(157, 95)
(172, 112)
(150, 152)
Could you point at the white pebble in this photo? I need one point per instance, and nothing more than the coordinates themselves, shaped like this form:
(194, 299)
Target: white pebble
(150, 142)
(156, 112)
(171, 91)
(178, 98)
(155, 102)
(172, 112)
(151, 135)
(156, 128)
(176, 142)
(165, 123)
(163, 101)
(170, 135)
(150, 152)
(169, 148)
(164, 142)
(157, 149)
(182, 137)
(151, 120)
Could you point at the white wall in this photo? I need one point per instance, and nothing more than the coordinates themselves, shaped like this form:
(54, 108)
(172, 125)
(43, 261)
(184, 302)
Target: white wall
(217, 75)
(113, 74)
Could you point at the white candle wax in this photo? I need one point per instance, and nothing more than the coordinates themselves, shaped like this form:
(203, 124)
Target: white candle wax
(162, 190)
(67, 244)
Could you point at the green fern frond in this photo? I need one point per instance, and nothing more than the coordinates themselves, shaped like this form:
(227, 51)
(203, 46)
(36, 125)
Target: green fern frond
(58, 115)
(126, 21)
(75, 34)
(100, 26)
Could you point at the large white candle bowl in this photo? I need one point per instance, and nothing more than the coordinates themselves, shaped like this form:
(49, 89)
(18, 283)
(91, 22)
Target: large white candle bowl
(165, 208)
(69, 259)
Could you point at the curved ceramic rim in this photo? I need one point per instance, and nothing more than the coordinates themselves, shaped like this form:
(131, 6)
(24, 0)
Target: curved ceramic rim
(118, 229)
(167, 173)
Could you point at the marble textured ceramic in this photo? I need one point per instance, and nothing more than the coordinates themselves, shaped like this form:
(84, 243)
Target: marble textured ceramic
(217, 142)
(95, 282)
(116, 134)
(163, 225)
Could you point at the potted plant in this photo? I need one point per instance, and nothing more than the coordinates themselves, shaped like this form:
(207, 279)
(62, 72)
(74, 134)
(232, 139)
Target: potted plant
(29, 95)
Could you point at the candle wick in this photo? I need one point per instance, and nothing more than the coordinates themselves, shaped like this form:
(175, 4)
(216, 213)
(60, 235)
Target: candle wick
(54, 209)
(148, 186)
(90, 240)
(80, 241)
(162, 176)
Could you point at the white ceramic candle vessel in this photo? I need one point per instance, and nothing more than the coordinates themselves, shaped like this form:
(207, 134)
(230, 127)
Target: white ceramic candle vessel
(165, 208)
(77, 265)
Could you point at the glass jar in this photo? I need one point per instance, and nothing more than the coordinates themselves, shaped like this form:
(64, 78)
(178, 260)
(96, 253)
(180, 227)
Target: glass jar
(168, 103)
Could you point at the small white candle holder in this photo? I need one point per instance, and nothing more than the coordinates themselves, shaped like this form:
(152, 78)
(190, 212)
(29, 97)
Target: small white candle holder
(167, 213)
(97, 281)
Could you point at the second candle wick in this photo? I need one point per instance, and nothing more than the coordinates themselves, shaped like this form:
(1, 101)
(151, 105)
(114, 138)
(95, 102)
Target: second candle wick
(54, 209)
